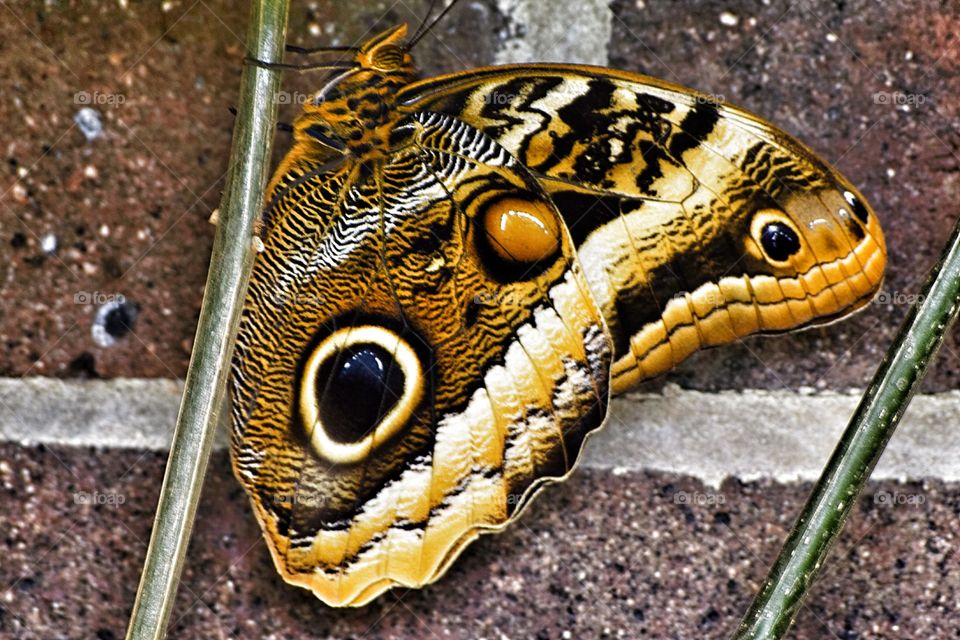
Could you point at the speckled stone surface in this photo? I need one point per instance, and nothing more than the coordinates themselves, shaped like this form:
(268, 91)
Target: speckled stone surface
(872, 86)
(127, 212)
(602, 556)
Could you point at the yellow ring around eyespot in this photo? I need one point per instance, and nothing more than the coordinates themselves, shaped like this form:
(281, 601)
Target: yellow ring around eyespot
(390, 424)
(760, 220)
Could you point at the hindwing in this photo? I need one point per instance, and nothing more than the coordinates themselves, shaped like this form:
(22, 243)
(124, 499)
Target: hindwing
(499, 367)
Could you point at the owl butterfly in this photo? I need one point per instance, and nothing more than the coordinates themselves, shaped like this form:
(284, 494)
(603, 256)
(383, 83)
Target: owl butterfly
(458, 272)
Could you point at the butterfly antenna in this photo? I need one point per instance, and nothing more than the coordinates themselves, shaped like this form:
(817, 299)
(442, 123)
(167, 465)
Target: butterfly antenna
(426, 17)
(306, 51)
(330, 66)
(424, 31)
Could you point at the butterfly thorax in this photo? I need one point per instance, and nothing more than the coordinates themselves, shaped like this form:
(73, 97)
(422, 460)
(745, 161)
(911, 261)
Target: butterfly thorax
(354, 112)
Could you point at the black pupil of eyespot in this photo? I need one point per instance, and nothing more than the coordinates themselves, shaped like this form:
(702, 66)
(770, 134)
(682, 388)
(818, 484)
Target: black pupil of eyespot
(858, 209)
(356, 388)
(779, 241)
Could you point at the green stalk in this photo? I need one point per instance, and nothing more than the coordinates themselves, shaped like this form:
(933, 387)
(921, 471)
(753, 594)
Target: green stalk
(230, 263)
(773, 610)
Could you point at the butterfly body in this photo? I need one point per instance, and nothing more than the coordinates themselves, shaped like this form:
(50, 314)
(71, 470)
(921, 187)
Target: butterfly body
(458, 272)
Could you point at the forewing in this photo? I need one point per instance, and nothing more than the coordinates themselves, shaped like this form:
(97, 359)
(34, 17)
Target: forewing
(675, 203)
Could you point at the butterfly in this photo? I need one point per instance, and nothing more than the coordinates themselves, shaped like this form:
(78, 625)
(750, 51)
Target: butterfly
(457, 273)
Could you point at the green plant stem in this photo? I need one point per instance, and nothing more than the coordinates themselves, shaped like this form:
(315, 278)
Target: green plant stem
(773, 610)
(230, 263)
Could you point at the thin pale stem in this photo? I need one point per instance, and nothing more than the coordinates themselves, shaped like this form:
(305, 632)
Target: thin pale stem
(230, 263)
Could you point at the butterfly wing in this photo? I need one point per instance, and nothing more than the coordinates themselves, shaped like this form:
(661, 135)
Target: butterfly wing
(696, 222)
(430, 330)
(419, 352)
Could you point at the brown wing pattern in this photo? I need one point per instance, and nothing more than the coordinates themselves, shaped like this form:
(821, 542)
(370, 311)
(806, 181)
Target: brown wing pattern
(456, 273)
(504, 366)
(696, 223)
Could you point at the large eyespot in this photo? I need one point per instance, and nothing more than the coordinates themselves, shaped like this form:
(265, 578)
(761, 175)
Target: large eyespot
(859, 209)
(776, 236)
(359, 387)
(518, 234)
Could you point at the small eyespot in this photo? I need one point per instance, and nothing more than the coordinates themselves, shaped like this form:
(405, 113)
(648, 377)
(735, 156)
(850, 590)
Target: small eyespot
(360, 385)
(519, 236)
(858, 207)
(779, 241)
